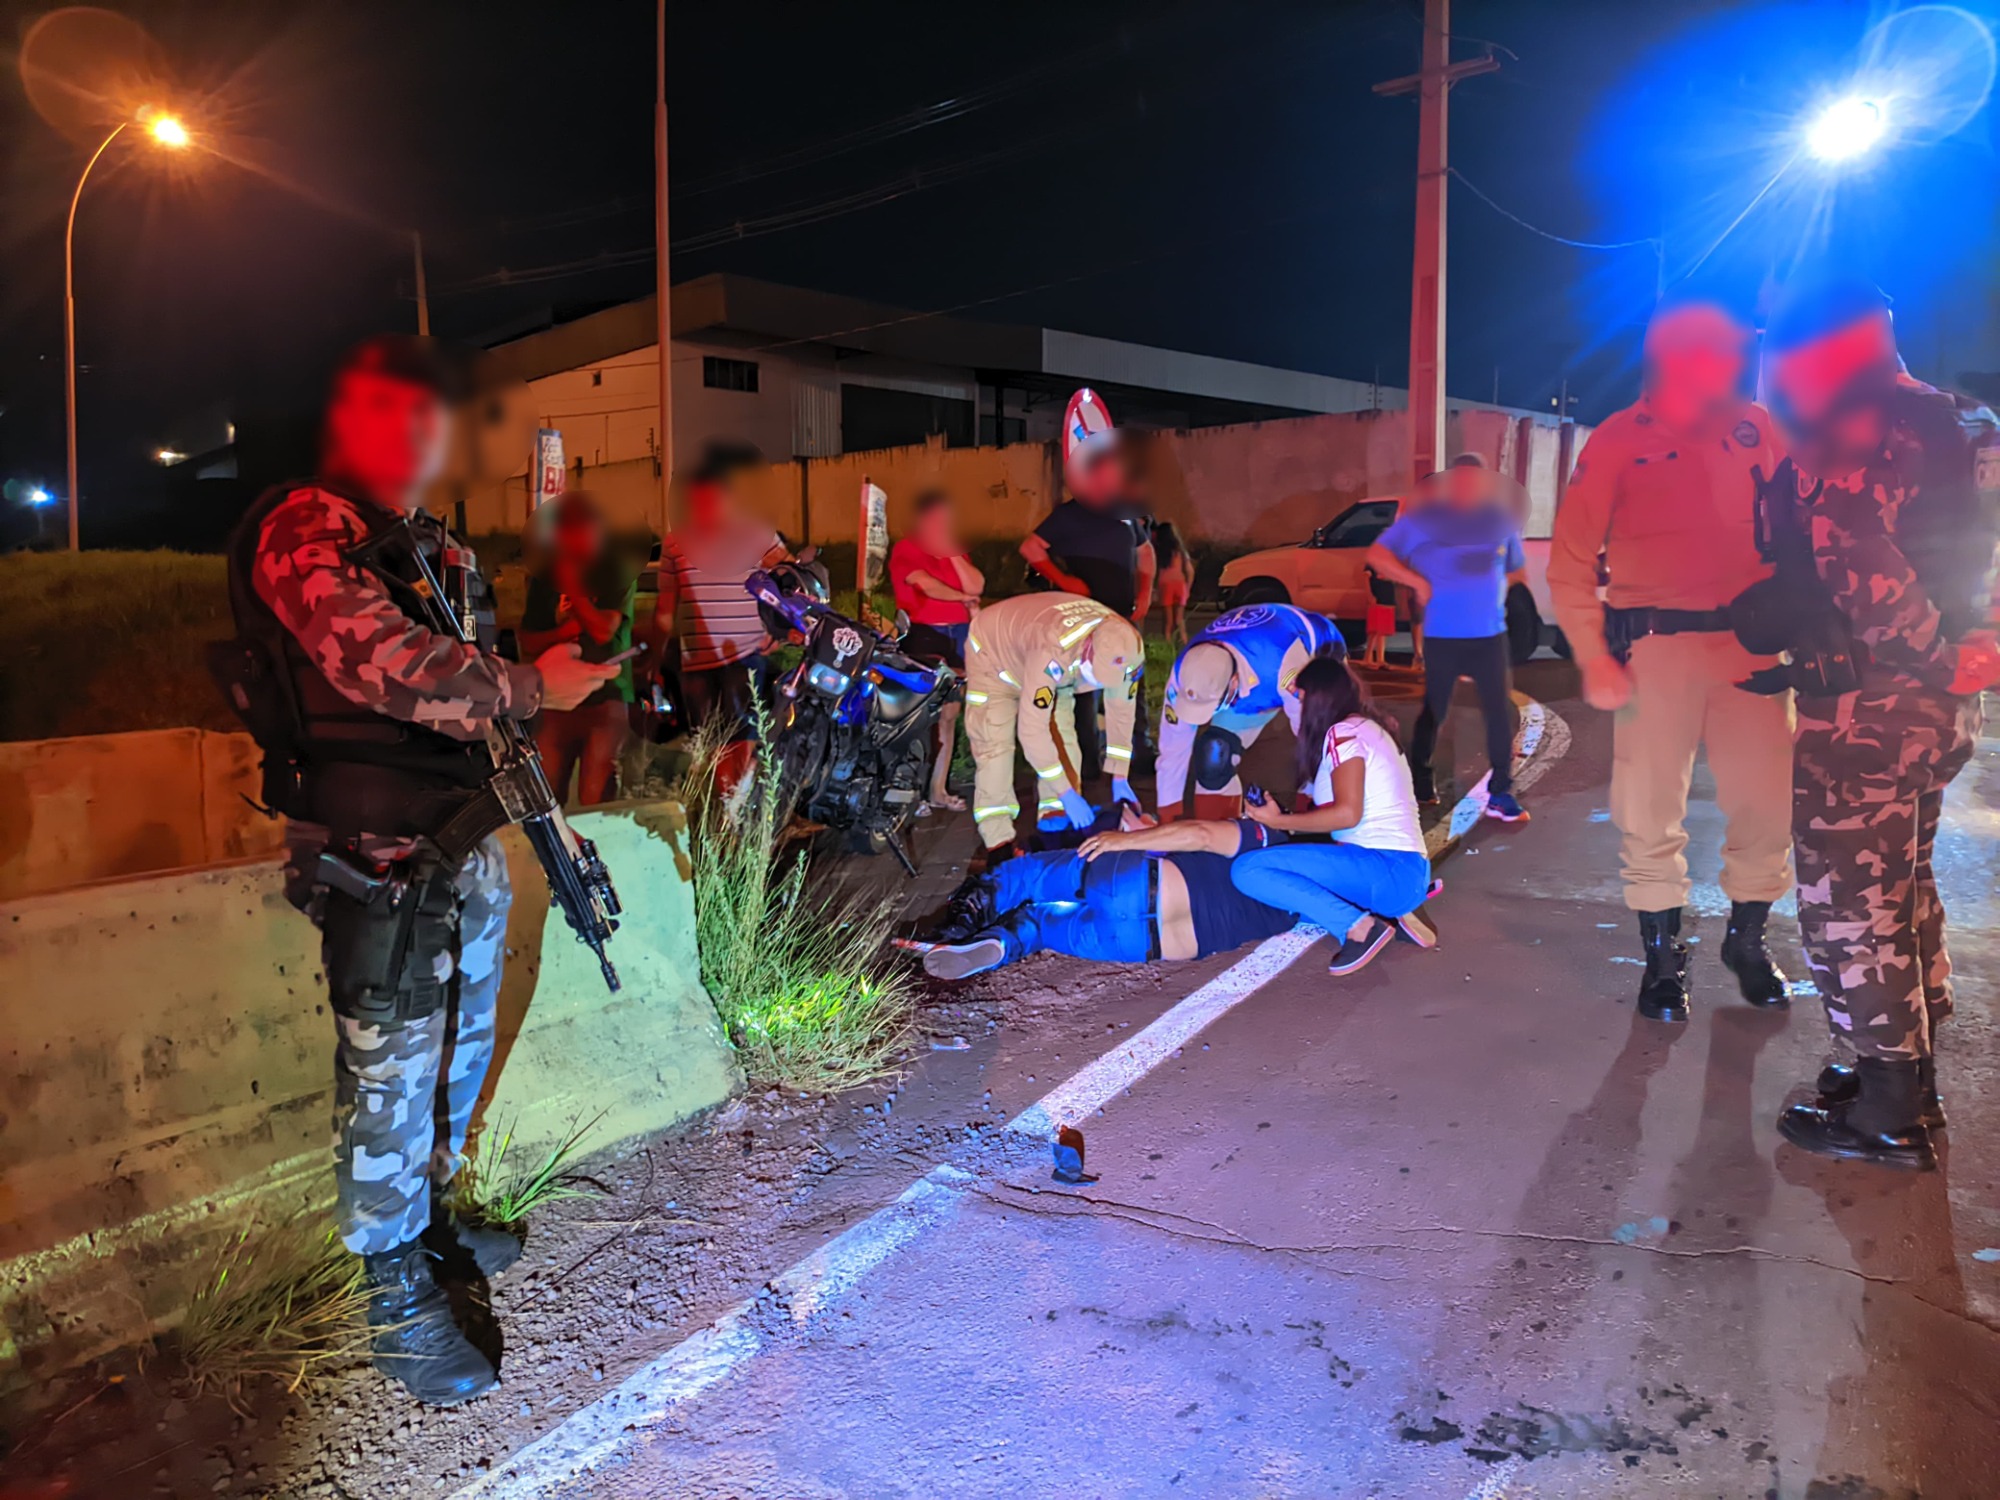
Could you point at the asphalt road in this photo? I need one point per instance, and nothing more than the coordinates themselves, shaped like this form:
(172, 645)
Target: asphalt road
(1461, 1225)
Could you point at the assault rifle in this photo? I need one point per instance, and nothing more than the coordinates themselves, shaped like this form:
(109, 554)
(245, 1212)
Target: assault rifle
(519, 790)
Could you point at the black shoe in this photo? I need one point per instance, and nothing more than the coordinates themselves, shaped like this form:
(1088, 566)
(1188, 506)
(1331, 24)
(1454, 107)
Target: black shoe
(1882, 1123)
(1840, 1082)
(492, 1249)
(1417, 927)
(1744, 955)
(1663, 992)
(999, 854)
(1425, 787)
(416, 1342)
(969, 912)
(1358, 952)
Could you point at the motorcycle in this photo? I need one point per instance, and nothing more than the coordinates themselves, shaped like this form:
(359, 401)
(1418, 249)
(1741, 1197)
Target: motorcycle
(854, 727)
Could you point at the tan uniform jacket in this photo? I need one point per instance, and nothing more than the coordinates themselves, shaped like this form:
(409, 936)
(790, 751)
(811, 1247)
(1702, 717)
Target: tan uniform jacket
(1034, 641)
(1674, 517)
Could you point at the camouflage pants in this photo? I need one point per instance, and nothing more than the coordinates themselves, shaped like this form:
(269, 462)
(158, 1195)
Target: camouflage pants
(396, 1130)
(1868, 781)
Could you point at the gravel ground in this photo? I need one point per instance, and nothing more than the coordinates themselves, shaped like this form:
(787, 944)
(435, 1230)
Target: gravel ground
(690, 1222)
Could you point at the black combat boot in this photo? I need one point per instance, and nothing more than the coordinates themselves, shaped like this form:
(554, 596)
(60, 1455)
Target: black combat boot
(1663, 992)
(1882, 1123)
(492, 1250)
(416, 1341)
(1839, 1082)
(970, 911)
(1744, 955)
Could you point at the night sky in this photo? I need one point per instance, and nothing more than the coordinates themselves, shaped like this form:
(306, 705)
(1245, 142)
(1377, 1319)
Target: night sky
(1215, 177)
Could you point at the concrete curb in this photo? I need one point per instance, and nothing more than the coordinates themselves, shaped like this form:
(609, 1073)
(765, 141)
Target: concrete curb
(1544, 739)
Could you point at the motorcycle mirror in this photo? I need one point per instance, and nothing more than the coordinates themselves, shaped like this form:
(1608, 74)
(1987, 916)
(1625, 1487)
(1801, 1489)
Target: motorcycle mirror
(902, 623)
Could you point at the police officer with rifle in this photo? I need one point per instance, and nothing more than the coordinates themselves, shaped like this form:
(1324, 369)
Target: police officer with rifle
(1881, 526)
(394, 746)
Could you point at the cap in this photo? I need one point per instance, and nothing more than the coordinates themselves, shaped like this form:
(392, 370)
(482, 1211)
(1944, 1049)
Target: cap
(408, 357)
(1812, 309)
(1694, 324)
(1201, 679)
(1087, 430)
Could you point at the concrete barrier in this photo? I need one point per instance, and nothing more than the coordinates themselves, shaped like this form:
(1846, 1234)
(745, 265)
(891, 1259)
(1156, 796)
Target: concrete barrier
(103, 805)
(165, 1070)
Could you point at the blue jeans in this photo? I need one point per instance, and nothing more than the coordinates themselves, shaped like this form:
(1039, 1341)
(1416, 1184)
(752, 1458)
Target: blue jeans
(1333, 884)
(1101, 911)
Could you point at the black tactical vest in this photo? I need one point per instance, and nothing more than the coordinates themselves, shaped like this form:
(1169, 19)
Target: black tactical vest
(327, 759)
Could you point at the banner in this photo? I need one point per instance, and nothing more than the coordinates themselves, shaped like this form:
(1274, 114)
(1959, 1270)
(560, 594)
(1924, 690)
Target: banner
(548, 476)
(872, 560)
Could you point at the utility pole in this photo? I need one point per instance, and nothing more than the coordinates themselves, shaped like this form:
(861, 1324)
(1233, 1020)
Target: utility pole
(423, 297)
(663, 283)
(1432, 86)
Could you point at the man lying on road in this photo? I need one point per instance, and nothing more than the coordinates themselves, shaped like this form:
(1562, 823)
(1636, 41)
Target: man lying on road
(1131, 895)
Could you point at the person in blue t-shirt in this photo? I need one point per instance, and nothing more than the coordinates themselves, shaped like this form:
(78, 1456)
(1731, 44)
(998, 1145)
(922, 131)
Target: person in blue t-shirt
(1458, 551)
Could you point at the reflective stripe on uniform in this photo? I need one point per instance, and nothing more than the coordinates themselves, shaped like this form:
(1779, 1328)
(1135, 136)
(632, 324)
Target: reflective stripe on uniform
(973, 696)
(1008, 679)
(1006, 810)
(1117, 752)
(1079, 632)
(1051, 773)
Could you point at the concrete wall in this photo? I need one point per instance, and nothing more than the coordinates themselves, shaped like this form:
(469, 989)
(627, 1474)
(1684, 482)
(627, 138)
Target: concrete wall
(99, 806)
(165, 1076)
(1254, 484)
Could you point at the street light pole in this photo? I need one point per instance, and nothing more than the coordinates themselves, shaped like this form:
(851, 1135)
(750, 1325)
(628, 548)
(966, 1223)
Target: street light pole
(1432, 86)
(662, 281)
(69, 330)
(168, 132)
(423, 299)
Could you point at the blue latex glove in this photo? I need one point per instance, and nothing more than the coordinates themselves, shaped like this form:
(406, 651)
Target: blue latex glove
(1121, 791)
(1081, 813)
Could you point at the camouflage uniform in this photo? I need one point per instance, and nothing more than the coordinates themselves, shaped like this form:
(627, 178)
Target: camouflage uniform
(1870, 767)
(396, 1132)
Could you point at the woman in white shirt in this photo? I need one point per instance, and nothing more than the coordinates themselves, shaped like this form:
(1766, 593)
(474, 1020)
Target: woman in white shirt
(1375, 873)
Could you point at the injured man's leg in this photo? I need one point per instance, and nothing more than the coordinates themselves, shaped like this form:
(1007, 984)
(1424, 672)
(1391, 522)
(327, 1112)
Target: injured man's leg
(1105, 910)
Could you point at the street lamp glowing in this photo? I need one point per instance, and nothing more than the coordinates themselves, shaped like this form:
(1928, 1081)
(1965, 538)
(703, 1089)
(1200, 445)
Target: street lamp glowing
(167, 131)
(38, 496)
(1846, 128)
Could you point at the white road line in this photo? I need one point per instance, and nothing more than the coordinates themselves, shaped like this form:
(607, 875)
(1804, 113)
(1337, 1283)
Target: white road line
(645, 1400)
(1494, 1485)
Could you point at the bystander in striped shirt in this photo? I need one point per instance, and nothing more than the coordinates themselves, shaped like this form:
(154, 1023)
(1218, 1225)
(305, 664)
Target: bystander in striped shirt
(717, 621)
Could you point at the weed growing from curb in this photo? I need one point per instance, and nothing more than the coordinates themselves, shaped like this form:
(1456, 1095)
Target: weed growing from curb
(801, 979)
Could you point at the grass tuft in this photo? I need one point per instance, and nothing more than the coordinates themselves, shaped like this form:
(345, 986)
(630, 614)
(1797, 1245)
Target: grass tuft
(286, 1303)
(497, 1188)
(801, 977)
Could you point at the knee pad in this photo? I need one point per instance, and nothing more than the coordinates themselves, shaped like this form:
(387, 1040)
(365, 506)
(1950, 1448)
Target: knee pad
(1216, 755)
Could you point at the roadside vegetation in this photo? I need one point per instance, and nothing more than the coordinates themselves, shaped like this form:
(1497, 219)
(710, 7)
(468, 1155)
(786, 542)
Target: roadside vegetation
(498, 1187)
(803, 977)
(285, 1303)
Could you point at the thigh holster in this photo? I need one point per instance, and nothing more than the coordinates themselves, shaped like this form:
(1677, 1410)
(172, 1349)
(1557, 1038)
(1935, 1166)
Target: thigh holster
(383, 934)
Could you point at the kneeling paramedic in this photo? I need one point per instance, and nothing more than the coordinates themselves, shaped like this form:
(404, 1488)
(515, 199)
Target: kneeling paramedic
(374, 729)
(1884, 525)
(1027, 661)
(1232, 680)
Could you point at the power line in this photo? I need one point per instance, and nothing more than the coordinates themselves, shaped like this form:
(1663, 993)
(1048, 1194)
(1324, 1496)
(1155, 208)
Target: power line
(1659, 246)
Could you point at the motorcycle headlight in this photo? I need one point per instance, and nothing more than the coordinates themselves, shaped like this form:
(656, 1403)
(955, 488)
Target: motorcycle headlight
(829, 680)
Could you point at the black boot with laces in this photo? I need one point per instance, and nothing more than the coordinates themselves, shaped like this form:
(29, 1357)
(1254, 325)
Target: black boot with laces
(417, 1343)
(1744, 954)
(1663, 991)
(1883, 1123)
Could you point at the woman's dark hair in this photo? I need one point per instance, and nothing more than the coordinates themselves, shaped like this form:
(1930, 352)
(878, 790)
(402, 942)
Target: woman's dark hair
(1167, 543)
(1329, 692)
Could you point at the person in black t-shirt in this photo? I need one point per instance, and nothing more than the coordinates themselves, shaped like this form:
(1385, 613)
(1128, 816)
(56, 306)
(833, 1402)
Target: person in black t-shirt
(1098, 544)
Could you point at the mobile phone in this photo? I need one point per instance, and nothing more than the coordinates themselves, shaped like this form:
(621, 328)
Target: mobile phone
(623, 656)
(1255, 795)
